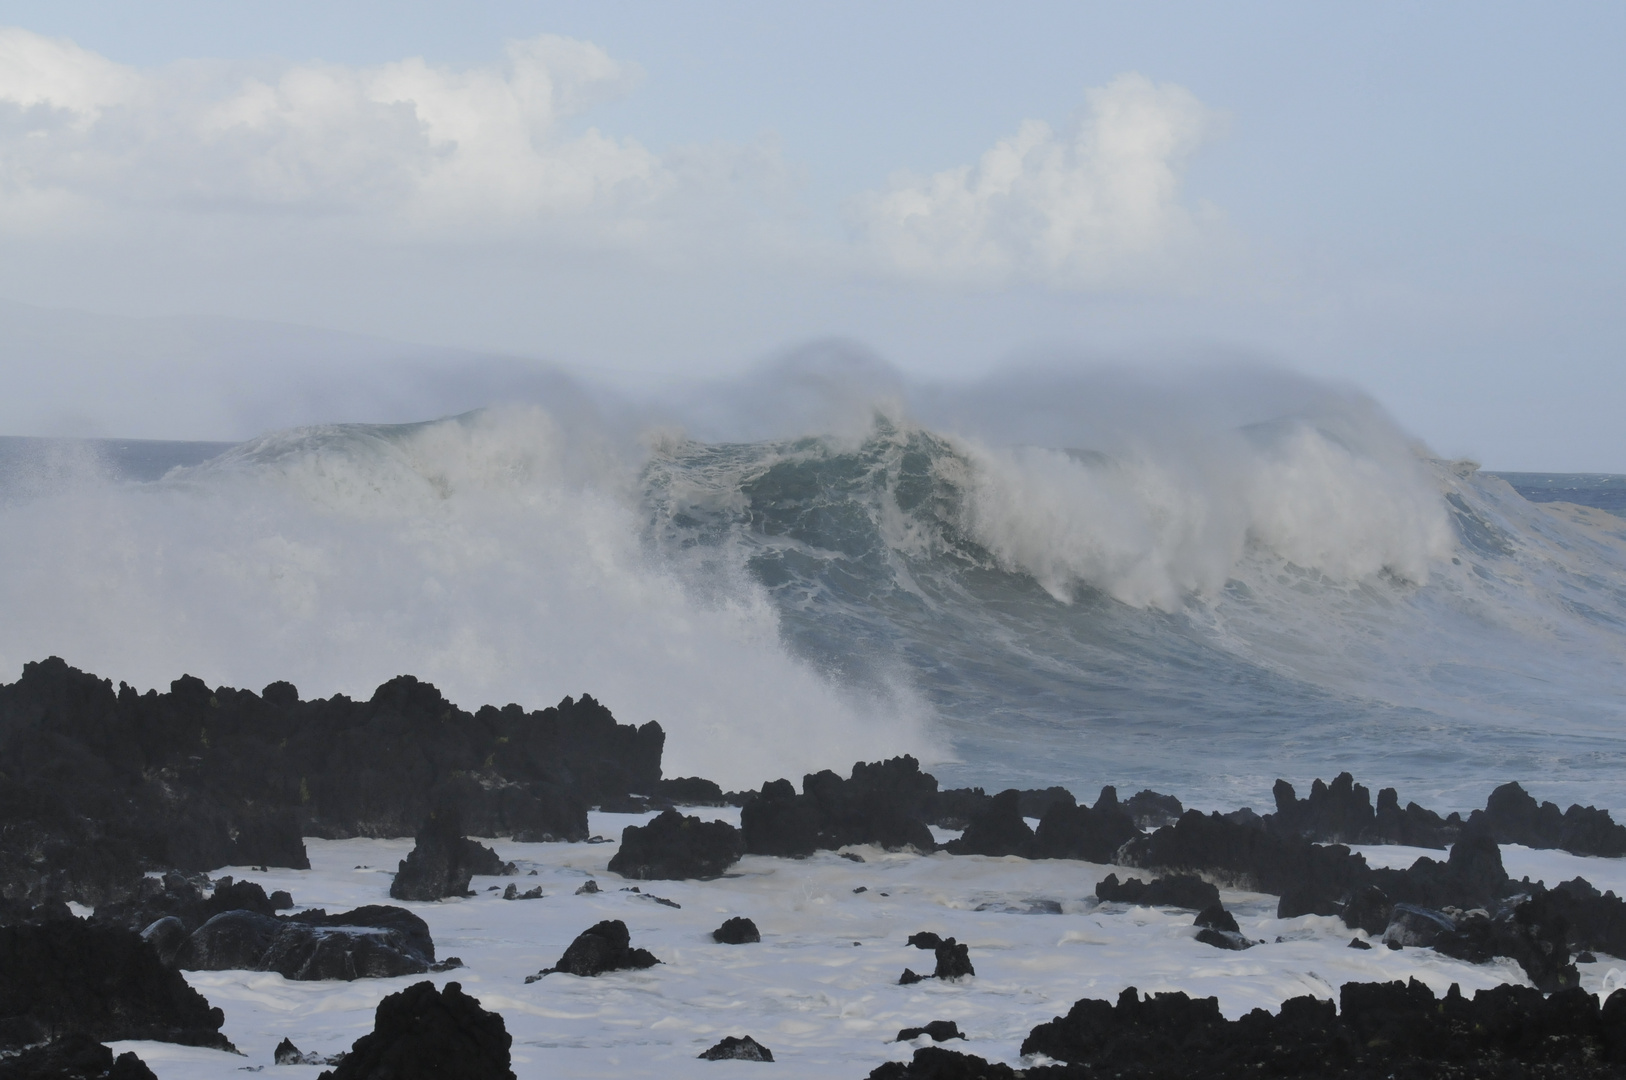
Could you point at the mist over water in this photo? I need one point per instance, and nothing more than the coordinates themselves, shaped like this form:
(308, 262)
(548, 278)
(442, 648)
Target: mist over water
(1196, 582)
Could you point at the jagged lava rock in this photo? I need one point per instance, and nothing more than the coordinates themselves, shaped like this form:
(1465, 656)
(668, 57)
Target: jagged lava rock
(733, 1048)
(673, 847)
(1217, 927)
(939, 1030)
(73, 1057)
(423, 1033)
(1149, 810)
(602, 947)
(102, 981)
(953, 958)
(997, 829)
(98, 786)
(1175, 890)
(373, 942)
(886, 803)
(736, 931)
(443, 860)
(1512, 816)
(1094, 834)
(780, 822)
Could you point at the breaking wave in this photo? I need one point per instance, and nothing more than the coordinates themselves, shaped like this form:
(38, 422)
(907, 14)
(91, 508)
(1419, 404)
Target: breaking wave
(1025, 583)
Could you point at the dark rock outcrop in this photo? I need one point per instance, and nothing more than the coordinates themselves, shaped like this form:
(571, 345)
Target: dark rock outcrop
(939, 1030)
(1512, 816)
(73, 1057)
(997, 829)
(691, 791)
(936, 1063)
(1149, 810)
(733, 1048)
(780, 822)
(1217, 927)
(676, 847)
(1094, 834)
(100, 981)
(605, 946)
(886, 803)
(1380, 1029)
(423, 1033)
(1176, 890)
(953, 958)
(736, 931)
(373, 942)
(443, 861)
(287, 1053)
(98, 785)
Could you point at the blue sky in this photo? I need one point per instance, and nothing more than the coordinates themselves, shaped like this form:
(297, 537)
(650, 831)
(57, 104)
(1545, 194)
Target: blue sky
(1422, 200)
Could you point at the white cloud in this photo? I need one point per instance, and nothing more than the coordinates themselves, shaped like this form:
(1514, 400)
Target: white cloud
(1097, 205)
(415, 144)
(414, 153)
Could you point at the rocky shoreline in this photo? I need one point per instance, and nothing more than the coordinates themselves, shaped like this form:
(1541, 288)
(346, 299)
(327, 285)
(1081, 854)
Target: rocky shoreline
(121, 802)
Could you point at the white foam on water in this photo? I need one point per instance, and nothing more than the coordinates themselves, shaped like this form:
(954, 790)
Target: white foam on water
(825, 1006)
(490, 555)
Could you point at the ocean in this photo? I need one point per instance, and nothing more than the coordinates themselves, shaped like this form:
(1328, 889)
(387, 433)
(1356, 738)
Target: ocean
(1156, 591)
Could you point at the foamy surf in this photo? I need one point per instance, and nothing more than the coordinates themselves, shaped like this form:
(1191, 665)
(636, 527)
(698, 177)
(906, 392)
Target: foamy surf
(1194, 590)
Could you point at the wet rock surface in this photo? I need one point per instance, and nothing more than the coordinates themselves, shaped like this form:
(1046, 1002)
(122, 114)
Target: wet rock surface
(73, 1057)
(736, 931)
(423, 1033)
(104, 982)
(605, 946)
(953, 958)
(939, 1030)
(1176, 890)
(737, 1048)
(886, 803)
(997, 828)
(372, 942)
(98, 785)
(675, 847)
(442, 861)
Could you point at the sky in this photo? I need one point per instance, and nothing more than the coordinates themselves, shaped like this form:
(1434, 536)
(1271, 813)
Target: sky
(1421, 201)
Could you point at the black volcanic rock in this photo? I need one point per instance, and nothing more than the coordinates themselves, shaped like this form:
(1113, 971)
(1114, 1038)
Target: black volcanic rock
(373, 942)
(1217, 927)
(691, 791)
(886, 803)
(1414, 826)
(1149, 810)
(423, 1033)
(1342, 812)
(443, 860)
(1176, 890)
(73, 1057)
(733, 1048)
(1512, 816)
(1379, 1030)
(98, 786)
(1248, 856)
(736, 931)
(936, 1063)
(780, 822)
(1094, 834)
(675, 847)
(605, 946)
(953, 958)
(101, 981)
(955, 807)
(997, 829)
(939, 1030)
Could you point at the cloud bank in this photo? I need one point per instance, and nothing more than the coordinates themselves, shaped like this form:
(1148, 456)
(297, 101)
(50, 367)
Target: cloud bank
(500, 153)
(1098, 204)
